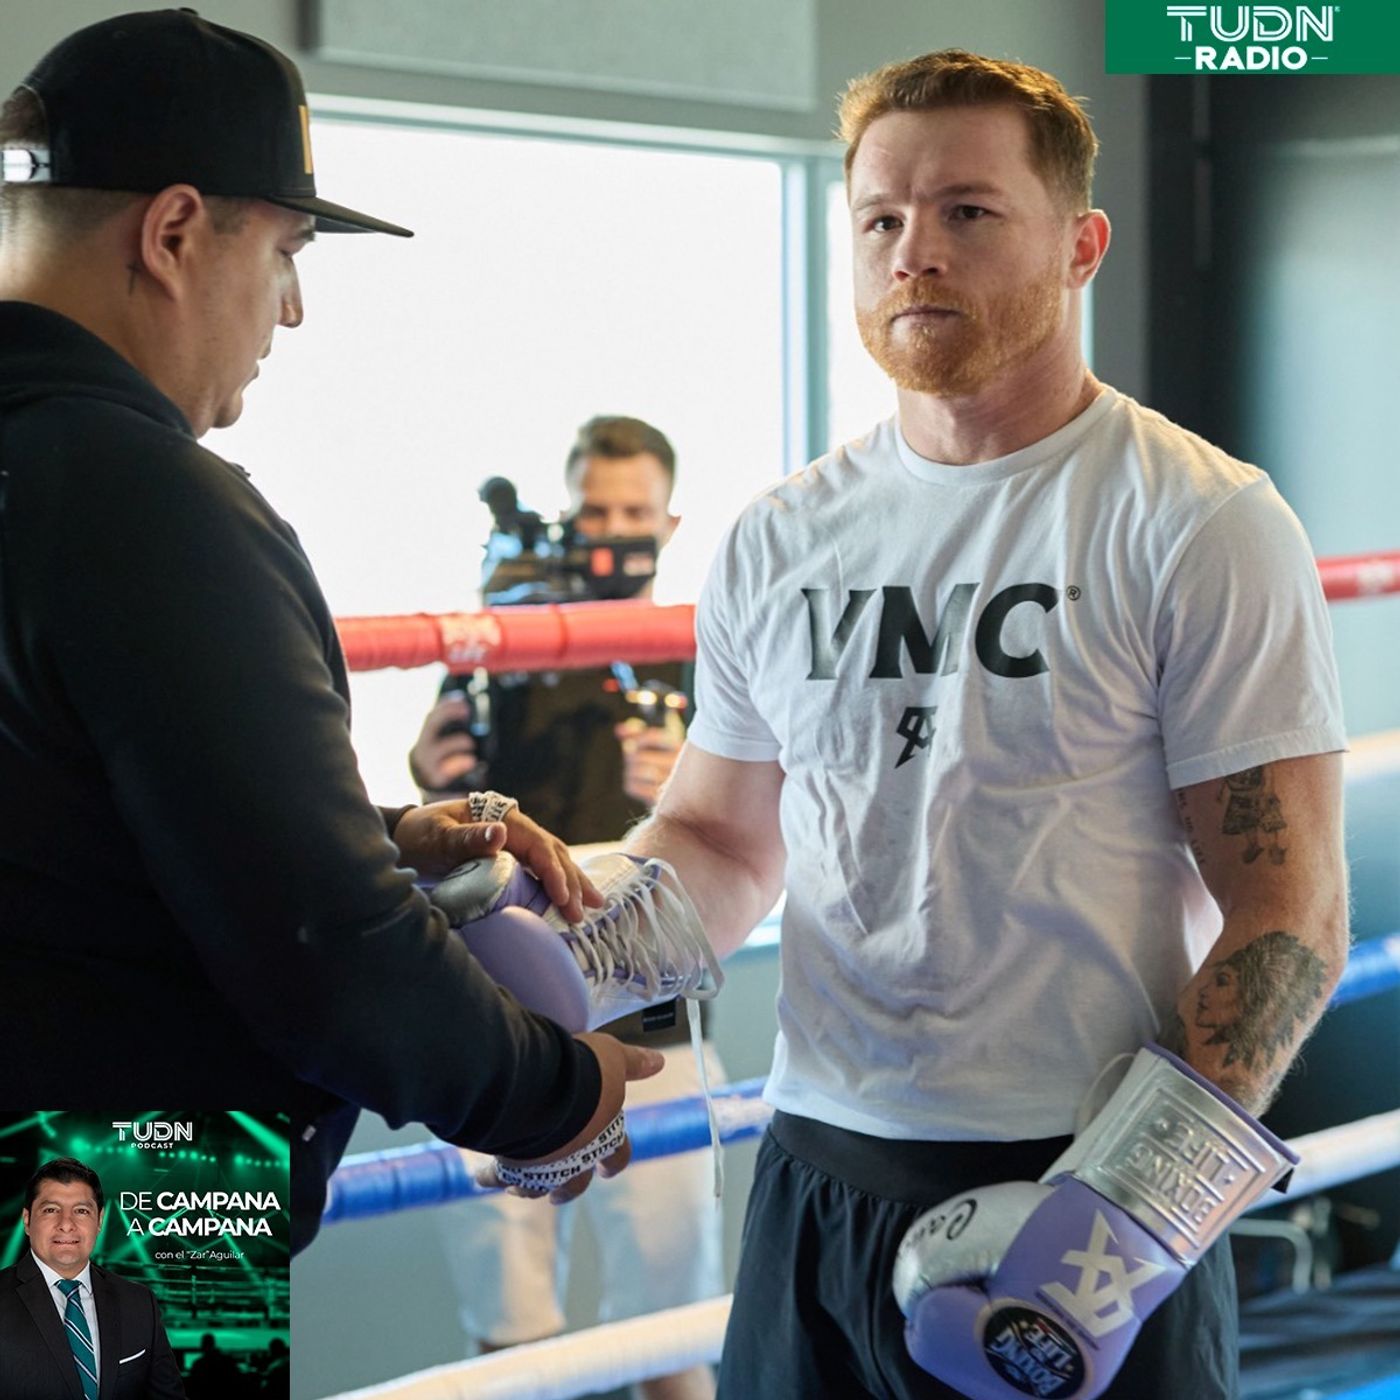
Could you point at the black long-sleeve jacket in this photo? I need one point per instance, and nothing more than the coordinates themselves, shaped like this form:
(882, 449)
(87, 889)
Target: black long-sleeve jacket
(198, 903)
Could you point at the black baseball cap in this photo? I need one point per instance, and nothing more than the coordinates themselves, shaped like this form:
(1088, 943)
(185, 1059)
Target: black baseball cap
(164, 97)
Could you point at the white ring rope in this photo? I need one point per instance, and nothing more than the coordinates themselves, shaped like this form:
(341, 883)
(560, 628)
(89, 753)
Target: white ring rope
(660, 1344)
(1344, 1153)
(578, 1363)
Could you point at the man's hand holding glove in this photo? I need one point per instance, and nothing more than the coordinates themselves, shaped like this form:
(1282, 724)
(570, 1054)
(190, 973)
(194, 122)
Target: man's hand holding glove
(626, 942)
(441, 837)
(1040, 1288)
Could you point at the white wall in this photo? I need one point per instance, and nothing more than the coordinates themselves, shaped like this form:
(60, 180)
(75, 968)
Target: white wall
(1064, 36)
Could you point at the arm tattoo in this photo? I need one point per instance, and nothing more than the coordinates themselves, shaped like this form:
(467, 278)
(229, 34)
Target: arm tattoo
(1253, 807)
(1254, 1001)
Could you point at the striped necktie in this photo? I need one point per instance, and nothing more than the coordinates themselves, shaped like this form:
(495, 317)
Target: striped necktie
(75, 1324)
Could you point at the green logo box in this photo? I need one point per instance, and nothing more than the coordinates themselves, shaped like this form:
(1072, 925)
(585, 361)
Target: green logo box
(1160, 36)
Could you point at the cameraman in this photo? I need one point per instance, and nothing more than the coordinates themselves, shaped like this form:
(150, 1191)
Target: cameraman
(572, 750)
(569, 749)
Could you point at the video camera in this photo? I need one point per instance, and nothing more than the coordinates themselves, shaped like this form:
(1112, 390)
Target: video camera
(530, 560)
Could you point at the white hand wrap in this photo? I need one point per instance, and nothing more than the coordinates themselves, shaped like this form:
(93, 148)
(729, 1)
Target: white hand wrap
(548, 1176)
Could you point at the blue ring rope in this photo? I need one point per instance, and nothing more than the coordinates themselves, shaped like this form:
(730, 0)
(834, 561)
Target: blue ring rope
(432, 1173)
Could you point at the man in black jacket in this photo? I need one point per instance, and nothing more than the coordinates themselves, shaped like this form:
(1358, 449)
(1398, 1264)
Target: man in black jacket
(67, 1326)
(192, 879)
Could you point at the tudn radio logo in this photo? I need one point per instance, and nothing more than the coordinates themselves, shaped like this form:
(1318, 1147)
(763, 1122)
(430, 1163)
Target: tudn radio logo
(1255, 38)
(156, 1137)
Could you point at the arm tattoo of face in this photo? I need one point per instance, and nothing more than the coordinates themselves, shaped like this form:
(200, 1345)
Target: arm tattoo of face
(1253, 1002)
(1253, 807)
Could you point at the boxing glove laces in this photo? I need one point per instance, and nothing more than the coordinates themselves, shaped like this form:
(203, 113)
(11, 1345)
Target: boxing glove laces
(645, 945)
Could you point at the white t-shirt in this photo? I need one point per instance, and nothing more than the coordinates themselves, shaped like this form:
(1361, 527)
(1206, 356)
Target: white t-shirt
(982, 684)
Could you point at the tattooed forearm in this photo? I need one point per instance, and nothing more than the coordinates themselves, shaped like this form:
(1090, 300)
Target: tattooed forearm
(1283, 938)
(1253, 807)
(1245, 1014)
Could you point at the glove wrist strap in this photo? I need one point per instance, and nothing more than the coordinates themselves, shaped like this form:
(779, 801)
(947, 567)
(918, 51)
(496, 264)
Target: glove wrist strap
(1176, 1153)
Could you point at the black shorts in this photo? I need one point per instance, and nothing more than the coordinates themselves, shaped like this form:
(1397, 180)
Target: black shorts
(814, 1313)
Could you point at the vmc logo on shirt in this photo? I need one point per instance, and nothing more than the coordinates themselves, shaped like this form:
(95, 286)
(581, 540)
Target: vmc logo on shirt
(1154, 36)
(901, 632)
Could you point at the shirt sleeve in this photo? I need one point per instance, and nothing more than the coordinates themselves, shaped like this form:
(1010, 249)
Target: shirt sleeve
(727, 722)
(186, 634)
(1246, 673)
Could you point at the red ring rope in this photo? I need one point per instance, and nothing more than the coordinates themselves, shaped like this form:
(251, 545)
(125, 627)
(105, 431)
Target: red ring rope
(558, 636)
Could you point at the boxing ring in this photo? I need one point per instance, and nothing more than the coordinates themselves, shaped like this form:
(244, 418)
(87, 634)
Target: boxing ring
(623, 1353)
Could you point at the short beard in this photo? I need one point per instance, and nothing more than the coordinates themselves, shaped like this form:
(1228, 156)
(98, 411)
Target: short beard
(963, 356)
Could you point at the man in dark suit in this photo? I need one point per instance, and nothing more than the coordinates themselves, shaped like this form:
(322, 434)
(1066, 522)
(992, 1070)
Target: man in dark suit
(69, 1329)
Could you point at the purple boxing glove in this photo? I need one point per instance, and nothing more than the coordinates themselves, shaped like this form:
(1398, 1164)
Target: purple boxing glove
(1056, 1316)
(503, 914)
(645, 945)
(1039, 1289)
